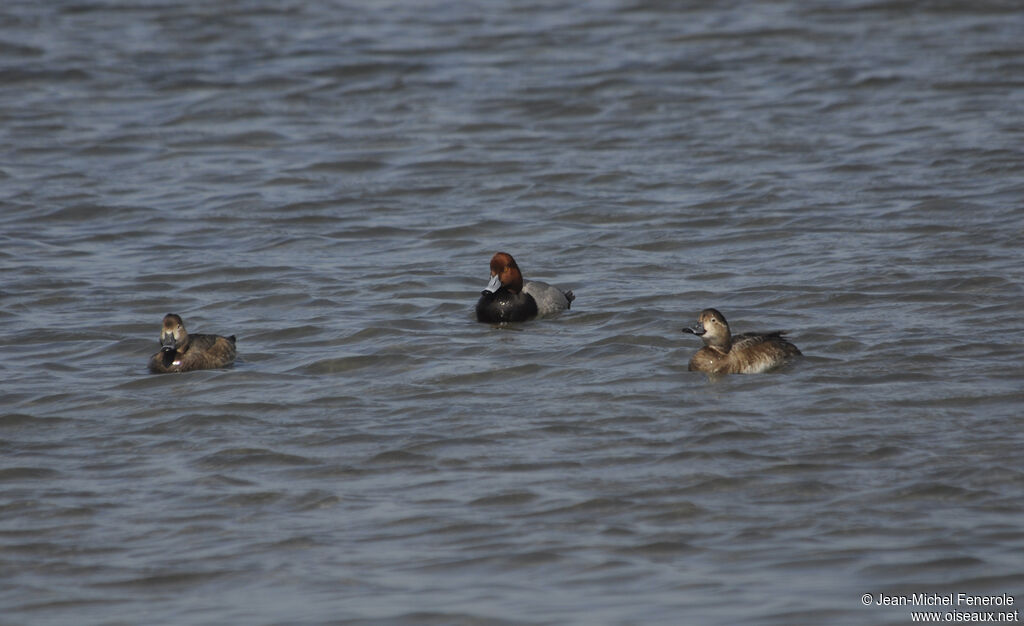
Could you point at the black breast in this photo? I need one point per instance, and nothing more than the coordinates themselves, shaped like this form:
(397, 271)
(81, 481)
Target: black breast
(505, 306)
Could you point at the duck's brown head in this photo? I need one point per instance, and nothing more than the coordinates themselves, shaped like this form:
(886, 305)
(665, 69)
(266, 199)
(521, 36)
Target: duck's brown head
(173, 334)
(713, 329)
(504, 273)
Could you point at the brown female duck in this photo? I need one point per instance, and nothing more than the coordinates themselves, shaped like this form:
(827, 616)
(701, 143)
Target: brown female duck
(182, 352)
(747, 353)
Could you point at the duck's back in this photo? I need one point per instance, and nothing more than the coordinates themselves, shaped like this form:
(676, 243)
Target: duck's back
(210, 351)
(751, 353)
(550, 299)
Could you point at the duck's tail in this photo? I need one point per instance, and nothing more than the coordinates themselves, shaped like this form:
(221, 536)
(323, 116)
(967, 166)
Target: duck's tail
(570, 296)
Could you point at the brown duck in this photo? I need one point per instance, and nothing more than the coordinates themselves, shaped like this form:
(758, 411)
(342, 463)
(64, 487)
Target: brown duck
(182, 352)
(747, 353)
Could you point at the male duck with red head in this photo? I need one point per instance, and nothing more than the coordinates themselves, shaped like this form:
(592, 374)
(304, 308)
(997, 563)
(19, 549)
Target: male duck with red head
(182, 352)
(508, 298)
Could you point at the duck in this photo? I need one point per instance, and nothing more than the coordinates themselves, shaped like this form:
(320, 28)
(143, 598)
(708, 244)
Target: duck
(508, 298)
(746, 353)
(182, 352)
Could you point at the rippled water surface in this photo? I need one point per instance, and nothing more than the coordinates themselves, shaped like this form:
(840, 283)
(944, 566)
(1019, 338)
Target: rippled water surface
(328, 180)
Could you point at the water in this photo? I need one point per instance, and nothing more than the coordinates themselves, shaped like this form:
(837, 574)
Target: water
(328, 181)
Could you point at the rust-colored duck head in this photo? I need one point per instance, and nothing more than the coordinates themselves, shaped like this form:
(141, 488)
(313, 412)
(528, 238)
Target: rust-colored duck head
(504, 273)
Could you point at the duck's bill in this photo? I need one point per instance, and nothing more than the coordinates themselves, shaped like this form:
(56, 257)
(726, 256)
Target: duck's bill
(168, 342)
(493, 285)
(168, 355)
(695, 330)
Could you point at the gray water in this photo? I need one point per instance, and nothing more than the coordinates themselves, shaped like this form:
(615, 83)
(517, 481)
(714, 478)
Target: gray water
(328, 181)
